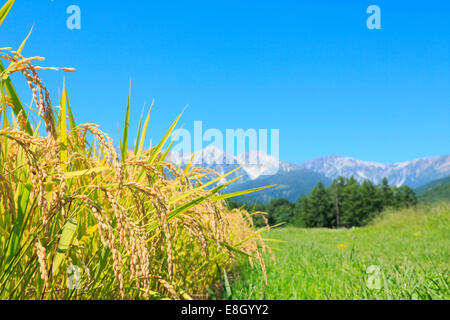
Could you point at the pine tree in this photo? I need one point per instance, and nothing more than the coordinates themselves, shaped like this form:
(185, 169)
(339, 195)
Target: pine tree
(320, 208)
(406, 197)
(337, 197)
(353, 204)
(387, 193)
(373, 202)
(301, 207)
(280, 211)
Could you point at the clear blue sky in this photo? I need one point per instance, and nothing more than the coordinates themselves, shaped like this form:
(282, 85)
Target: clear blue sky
(309, 68)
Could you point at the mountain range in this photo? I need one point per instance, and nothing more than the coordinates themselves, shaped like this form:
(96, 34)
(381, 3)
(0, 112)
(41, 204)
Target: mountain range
(296, 179)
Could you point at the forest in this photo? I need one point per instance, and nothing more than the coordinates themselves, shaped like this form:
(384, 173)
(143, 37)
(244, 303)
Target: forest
(345, 203)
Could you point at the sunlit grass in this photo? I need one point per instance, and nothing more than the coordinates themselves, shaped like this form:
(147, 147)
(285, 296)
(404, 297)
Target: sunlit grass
(411, 247)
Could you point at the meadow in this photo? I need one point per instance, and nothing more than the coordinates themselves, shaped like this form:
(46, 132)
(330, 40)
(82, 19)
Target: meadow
(403, 254)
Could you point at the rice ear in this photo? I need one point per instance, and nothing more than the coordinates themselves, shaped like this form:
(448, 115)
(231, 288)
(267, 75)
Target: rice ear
(144, 233)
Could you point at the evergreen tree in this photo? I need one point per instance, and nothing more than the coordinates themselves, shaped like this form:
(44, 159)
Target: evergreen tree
(280, 210)
(387, 193)
(320, 208)
(301, 212)
(373, 202)
(406, 197)
(353, 204)
(346, 203)
(337, 197)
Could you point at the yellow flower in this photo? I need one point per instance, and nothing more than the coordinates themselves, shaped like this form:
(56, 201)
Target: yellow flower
(342, 246)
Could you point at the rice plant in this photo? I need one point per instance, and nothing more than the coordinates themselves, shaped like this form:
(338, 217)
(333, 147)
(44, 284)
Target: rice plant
(78, 220)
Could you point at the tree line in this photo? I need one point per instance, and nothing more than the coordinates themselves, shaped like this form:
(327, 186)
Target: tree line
(345, 203)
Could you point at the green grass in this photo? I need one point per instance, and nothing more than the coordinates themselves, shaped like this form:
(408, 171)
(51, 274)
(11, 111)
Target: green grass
(411, 248)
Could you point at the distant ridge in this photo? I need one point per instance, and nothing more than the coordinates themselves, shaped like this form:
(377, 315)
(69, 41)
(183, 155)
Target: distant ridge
(438, 190)
(432, 185)
(295, 179)
(414, 173)
(289, 185)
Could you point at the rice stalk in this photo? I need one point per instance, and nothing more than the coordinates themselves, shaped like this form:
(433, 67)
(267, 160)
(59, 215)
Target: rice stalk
(136, 227)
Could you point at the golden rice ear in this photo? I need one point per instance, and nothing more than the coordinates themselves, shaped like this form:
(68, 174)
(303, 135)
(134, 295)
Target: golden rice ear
(138, 232)
(14, 101)
(17, 54)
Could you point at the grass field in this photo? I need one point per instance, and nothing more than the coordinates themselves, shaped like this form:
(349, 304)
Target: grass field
(410, 248)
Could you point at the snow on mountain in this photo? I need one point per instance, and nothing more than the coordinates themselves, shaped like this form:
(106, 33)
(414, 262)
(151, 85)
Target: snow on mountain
(413, 173)
(211, 158)
(256, 165)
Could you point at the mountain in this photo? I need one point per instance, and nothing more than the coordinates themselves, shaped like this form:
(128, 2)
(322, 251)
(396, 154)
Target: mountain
(211, 158)
(254, 164)
(412, 173)
(438, 190)
(289, 185)
(295, 179)
(258, 169)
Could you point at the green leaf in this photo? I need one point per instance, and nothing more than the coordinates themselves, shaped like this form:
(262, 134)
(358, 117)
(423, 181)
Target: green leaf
(203, 186)
(67, 237)
(22, 199)
(231, 248)
(158, 149)
(228, 292)
(164, 156)
(5, 10)
(183, 208)
(4, 111)
(71, 175)
(189, 165)
(256, 233)
(136, 143)
(7, 84)
(126, 128)
(239, 193)
(71, 117)
(144, 132)
(63, 127)
(102, 263)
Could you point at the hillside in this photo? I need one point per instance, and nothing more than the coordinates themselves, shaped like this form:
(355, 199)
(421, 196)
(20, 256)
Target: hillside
(435, 191)
(289, 185)
(432, 185)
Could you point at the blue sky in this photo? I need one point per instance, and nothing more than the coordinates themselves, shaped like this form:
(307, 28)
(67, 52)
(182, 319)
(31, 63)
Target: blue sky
(309, 68)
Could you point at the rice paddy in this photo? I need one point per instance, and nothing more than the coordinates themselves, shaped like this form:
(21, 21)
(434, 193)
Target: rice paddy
(79, 220)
